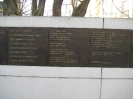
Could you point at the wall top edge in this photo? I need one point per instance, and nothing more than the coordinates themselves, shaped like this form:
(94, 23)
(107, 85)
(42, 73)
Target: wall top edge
(48, 17)
(66, 22)
(63, 17)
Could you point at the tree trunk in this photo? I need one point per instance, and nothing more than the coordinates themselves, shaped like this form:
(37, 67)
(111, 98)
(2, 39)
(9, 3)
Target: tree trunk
(38, 10)
(41, 6)
(34, 7)
(10, 7)
(57, 7)
(81, 9)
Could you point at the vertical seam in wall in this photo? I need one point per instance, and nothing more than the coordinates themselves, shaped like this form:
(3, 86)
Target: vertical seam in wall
(101, 85)
(103, 23)
(101, 73)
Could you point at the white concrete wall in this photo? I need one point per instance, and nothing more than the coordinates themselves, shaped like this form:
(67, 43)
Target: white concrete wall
(35, 82)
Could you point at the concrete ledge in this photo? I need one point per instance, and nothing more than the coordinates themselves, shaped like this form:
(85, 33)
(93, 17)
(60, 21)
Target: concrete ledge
(36, 71)
(123, 73)
(59, 22)
(118, 23)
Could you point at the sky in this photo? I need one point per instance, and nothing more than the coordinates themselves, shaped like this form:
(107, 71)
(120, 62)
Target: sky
(48, 7)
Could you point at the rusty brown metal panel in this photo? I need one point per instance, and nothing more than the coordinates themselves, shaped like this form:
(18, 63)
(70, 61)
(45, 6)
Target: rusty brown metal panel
(28, 46)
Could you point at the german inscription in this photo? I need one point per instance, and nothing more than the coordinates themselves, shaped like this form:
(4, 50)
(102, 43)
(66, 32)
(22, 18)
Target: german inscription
(28, 46)
(67, 47)
(109, 48)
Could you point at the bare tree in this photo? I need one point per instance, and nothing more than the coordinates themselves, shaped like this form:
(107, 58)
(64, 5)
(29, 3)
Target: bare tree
(38, 8)
(78, 9)
(10, 7)
(57, 7)
(34, 7)
(81, 9)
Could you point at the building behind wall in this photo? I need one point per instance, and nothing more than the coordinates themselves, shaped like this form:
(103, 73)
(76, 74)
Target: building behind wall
(19, 6)
(124, 8)
(111, 8)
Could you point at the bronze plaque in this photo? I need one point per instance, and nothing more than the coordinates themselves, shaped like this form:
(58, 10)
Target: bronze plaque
(28, 46)
(3, 46)
(72, 47)
(131, 50)
(69, 47)
(109, 48)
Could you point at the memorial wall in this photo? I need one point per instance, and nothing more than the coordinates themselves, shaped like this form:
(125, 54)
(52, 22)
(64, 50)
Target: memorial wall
(66, 47)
